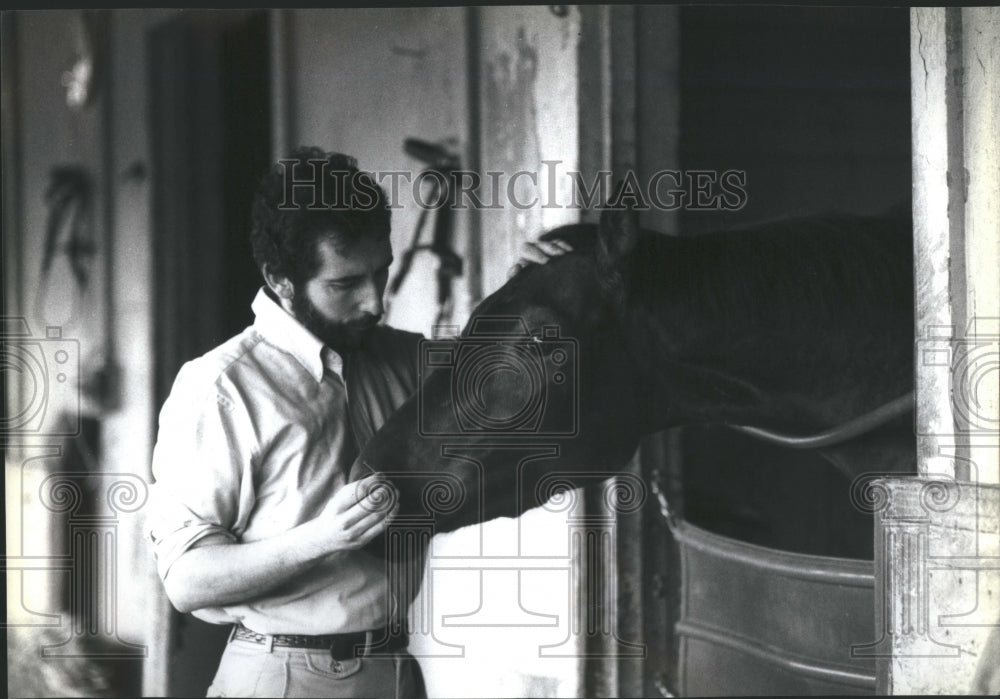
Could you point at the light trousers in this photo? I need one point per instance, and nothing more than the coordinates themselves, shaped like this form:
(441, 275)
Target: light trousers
(254, 670)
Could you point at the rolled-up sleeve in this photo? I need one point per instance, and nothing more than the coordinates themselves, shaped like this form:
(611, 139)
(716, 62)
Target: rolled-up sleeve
(202, 467)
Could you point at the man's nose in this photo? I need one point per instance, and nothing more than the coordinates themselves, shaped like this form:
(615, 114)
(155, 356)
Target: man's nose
(371, 299)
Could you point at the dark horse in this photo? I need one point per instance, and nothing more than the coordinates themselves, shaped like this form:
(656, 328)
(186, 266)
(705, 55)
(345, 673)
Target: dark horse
(794, 327)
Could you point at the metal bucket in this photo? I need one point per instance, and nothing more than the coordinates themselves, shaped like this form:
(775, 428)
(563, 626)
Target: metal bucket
(756, 620)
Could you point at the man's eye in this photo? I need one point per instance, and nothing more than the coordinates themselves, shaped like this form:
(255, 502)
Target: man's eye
(341, 285)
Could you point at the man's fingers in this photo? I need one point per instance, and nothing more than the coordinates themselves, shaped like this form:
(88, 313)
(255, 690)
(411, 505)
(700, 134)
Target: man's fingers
(533, 252)
(367, 535)
(357, 522)
(367, 527)
(554, 247)
(371, 505)
(354, 493)
(538, 252)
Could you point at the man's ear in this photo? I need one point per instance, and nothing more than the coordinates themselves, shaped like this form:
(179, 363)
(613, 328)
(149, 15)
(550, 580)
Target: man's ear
(280, 285)
(618, 230)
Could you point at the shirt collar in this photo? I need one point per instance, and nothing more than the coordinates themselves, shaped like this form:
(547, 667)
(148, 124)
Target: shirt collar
(281, 329)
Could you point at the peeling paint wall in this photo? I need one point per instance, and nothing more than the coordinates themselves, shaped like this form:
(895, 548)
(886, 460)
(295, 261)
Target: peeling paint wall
(937, 587)
(955, 65)
(529, 78)
(937, 571)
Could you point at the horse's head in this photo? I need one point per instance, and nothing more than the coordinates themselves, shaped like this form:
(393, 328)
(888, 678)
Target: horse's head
(540, 383)
(795, 326)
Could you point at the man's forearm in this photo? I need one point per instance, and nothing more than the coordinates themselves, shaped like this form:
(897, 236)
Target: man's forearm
(218, 572)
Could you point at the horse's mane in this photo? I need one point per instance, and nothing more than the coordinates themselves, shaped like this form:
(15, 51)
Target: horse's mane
(794, 270)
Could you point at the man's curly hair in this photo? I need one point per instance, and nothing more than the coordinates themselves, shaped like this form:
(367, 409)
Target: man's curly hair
(293, 208)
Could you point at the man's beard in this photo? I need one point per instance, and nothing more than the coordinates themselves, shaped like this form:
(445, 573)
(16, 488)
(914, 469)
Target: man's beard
(340, 336)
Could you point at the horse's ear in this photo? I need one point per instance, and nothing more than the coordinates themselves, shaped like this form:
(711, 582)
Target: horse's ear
(619, 228)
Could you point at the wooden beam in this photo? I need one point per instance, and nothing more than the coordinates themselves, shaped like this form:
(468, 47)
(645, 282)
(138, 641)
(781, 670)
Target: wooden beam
(937, 548)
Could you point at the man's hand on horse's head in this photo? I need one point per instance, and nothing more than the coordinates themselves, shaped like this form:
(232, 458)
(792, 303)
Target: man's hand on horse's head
(538, 252)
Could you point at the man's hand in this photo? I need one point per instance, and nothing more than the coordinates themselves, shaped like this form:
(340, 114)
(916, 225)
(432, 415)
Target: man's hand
(358, 513)
(538, 252)
(217, 571)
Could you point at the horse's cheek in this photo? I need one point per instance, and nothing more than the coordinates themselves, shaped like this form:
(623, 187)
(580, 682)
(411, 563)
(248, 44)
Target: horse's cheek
(437, 415)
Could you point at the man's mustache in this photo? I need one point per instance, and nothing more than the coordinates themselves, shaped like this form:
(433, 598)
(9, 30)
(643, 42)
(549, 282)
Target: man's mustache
(365, 322)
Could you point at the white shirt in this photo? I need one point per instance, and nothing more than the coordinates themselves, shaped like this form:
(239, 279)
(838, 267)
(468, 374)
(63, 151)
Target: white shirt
(254, 439)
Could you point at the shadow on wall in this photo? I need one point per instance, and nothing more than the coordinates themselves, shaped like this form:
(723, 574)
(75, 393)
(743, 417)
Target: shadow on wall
(30, 676)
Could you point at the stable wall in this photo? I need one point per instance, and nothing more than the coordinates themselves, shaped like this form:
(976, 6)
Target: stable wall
(110, 319)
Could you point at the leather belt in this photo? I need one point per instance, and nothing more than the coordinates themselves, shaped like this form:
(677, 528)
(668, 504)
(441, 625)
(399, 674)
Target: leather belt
(341, 645)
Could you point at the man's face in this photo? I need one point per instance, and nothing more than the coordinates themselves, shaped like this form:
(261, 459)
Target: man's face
(343, 301)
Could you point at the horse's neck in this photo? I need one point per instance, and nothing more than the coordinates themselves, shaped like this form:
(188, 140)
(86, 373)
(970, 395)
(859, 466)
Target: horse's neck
(684, 392)
(781, 385)
(801, 325)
